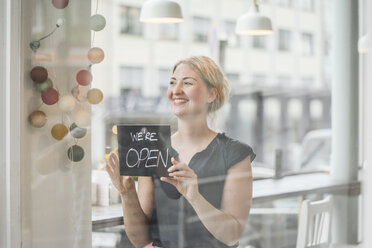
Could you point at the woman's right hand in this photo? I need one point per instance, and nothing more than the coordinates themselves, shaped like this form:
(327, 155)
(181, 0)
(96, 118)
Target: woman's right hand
(122, 183)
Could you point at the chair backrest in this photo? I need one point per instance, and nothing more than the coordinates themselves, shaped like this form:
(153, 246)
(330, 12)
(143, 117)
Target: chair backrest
(314, 229)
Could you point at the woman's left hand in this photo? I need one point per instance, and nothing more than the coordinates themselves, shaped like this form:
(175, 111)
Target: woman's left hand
(184, 179)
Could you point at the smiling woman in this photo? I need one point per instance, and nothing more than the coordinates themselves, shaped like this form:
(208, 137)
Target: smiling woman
(179, 210)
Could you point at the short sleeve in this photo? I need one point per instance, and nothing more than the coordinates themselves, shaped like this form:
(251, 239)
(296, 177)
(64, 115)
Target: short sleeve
(237, 152)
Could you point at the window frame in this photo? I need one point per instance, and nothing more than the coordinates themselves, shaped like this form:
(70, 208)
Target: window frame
(10, 108)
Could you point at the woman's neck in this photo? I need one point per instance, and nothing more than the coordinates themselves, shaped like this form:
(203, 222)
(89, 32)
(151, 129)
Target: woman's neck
(194, 130)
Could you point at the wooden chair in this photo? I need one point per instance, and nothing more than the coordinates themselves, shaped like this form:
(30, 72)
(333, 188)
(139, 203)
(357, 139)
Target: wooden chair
(314, 230)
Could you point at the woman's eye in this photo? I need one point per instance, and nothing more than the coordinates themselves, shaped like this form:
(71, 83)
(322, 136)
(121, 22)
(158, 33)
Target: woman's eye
(187, 83)
(171, 83)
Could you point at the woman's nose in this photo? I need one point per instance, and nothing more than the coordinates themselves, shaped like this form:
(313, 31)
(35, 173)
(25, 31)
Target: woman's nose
(177, 89)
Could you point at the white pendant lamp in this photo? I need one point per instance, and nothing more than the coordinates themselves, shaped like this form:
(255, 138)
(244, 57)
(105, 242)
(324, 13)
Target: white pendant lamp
(161, 11)
(253, 23)
(363, 44)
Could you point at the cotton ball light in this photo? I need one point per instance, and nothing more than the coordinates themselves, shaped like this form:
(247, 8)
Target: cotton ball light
(97, 22)
(96, 55)
(49, 96)
(60, 22)
(59, 131)
(82, 118)
(37, 119)
(44, 85)
(39, 74)
(94, 96)
(75, 153)
(77, 132)
(60, 4)
(114, 129)
(84, 77)
(66, 103)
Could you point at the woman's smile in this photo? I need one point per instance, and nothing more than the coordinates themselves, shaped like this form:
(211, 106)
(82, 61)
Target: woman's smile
(179, 101)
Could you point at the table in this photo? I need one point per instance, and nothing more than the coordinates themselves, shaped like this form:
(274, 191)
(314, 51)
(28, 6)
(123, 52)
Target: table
(263, 190)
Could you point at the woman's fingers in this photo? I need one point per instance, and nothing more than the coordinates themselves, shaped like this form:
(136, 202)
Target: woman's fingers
(169, 180)
(113, 161)
(179, 166)
(173, 160)
(109, 169)
(182, 173)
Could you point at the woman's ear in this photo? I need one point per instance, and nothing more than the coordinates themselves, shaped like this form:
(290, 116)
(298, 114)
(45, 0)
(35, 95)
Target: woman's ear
(212, 95)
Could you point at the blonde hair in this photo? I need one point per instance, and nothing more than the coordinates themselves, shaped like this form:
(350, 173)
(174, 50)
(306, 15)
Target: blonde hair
(212, 76)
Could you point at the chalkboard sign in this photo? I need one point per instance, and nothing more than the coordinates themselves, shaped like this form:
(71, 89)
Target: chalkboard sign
(144, 150)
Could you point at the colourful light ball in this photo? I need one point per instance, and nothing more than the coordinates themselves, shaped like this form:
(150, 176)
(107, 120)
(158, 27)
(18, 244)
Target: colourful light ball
(49, 96)
(77, 132)
(75, 153)
(60, 4)
(84, 77)
(82, 118)
(44, 85)
(59, 131)
(60, 22)
(94, 96)
(97, 22)
(39, 74)
(114, 129)
(66, 103)
(37, 119)
(96, 55)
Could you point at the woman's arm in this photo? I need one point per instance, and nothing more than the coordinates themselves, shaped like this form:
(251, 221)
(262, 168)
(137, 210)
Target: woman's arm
(228, 223)
(136, 208)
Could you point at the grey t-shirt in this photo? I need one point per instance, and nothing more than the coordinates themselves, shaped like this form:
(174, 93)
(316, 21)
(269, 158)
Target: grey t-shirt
(174, 222)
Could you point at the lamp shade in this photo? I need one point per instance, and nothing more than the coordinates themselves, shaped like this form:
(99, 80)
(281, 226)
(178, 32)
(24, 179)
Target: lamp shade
(161, 11)
(363, 44)
(253, 23)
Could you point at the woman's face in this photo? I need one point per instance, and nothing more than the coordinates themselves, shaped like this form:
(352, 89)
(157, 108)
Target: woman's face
(188, 94)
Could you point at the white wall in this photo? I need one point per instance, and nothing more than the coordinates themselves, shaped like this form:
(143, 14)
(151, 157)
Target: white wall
(55, 193)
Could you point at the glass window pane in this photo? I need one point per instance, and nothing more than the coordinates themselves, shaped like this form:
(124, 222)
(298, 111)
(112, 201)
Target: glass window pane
(307, 44)
(284, 40)
(129, 23)
(201, 28)
(130, 78)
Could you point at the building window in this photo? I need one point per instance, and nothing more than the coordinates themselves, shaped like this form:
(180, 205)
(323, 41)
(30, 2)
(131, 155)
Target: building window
(259, 42)
(164, 75)
(307, 44)
(130, 79)
(233, 40)
(129, 20)
(284, 40)
(201, 27)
